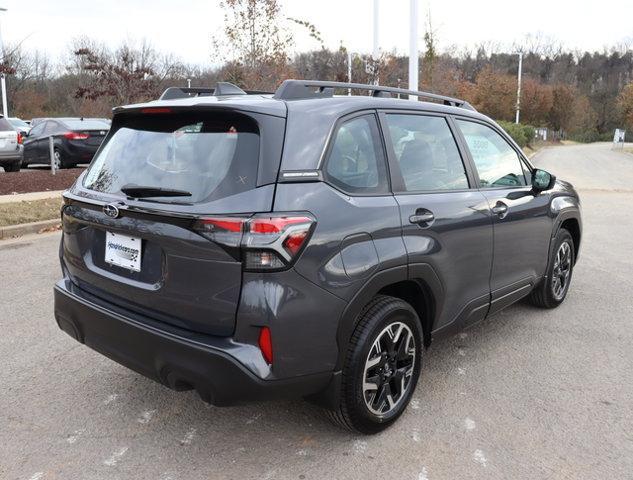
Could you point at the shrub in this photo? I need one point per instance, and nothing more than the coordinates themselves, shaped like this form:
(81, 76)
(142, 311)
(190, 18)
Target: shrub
(523, 135)
(590, 136)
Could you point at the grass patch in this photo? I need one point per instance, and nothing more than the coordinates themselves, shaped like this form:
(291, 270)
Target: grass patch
(15, 213)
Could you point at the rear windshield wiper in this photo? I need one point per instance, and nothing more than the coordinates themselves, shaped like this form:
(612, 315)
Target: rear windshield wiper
(142, 191)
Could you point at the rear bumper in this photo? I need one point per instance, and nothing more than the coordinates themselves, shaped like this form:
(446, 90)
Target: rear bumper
(11, 156)
(176, 361)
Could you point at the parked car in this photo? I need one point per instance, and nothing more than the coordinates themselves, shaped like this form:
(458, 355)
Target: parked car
(10, 146)
(305, 244)
(19, 125)
(75, 141)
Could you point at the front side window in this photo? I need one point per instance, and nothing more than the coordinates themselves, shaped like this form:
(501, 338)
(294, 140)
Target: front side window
(357, 163)
(497, 163)
(427, 153)
(208, 155)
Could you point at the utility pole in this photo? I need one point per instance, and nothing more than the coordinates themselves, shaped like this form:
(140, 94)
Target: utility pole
(376, 51)
(413, 48)
(349, 71)
(3, 82)
(519, 88)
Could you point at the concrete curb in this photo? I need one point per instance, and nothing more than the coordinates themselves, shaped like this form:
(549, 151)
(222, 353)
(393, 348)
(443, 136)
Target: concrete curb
(30, 197)
(26, 228)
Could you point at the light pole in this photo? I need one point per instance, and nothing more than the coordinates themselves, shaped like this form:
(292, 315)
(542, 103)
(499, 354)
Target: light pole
(376, 51)
(413, 48)
(5, 110)
(519, 88)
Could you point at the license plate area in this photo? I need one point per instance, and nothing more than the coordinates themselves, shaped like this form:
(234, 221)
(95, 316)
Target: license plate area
(123, 251)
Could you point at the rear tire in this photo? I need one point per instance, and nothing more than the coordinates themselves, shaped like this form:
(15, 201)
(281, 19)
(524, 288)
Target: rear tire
(552, 290)
(13, 167)
(60, 162)
(381, 367)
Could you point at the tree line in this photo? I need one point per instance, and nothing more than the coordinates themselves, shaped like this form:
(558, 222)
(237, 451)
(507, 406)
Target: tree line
(583, 95)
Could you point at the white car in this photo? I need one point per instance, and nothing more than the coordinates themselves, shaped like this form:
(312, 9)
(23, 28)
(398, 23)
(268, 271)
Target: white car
(10, 147)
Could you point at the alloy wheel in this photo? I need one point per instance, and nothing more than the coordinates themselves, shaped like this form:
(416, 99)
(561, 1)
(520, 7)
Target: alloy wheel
(562, 271)
(389, 368)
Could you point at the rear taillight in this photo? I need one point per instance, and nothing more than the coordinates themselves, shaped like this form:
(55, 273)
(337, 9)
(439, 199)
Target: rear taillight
(20, 138)
(267, 242)
(76, 136)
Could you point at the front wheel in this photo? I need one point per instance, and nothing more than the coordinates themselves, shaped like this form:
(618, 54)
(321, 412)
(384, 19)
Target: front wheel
(553, 289)
(381, 368)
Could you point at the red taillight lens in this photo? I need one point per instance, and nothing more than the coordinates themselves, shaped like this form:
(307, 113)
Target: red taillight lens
(228, 224)
(20, 138)
(76, 136)
(223, 230)
(266, 344)
(275, 224)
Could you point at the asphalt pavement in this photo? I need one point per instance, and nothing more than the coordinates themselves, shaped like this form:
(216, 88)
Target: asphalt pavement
(526, 394)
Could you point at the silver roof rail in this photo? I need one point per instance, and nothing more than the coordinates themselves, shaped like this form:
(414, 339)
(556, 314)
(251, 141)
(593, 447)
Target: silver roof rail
(305, 89)
(221, 88)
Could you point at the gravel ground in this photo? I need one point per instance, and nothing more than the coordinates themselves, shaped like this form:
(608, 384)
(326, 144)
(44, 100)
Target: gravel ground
(526, 394)
(37, 180)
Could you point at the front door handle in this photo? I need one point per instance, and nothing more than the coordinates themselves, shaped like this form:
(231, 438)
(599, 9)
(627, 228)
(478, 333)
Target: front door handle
(500, 209)
(422, 217)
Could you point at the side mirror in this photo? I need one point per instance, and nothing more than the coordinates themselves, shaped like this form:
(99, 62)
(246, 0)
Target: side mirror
(25, 133)
(542, 180)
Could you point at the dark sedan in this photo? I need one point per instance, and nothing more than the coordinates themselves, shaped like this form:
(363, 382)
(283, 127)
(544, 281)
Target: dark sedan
(75, 141)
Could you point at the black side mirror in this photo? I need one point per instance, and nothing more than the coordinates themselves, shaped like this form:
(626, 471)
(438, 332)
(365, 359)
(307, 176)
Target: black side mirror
(542, 180)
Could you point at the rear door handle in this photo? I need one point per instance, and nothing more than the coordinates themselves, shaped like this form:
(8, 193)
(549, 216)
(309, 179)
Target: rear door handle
(422, 217)
(500, 209)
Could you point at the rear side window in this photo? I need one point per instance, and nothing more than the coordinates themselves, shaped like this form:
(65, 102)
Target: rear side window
(5, 126)
(357, 162)
(427, 153)
(497, 163)
(209, 155)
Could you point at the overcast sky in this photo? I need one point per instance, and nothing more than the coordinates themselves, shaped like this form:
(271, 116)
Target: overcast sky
(184, 27)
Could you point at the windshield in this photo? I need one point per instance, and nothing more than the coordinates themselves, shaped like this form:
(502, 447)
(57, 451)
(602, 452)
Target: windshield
(16, 122)
(211, 156)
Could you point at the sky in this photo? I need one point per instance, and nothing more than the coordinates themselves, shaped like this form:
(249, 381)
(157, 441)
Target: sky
(185, 27)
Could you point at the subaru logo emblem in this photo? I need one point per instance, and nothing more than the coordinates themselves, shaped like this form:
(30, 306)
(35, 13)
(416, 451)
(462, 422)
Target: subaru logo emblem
(111, 210)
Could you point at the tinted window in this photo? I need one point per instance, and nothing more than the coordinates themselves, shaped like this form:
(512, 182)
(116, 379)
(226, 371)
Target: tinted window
(357, 163)
(50, 127)
(427, 153)
(87, 124)
(37, 130)
(497, 162)
(5, 126)
(211, 156)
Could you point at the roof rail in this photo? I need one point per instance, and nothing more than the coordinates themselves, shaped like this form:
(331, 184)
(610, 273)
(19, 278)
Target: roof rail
(304, 89)
(221, 88)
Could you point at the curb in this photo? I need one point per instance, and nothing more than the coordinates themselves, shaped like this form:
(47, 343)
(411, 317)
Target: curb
(30, 197)
(26, 228)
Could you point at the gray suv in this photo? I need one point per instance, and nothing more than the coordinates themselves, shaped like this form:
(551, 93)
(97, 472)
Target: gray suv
(302, 243)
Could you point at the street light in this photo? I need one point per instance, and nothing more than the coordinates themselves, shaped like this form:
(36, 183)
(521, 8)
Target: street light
(413, 48)
(5, 110)
(519, 88)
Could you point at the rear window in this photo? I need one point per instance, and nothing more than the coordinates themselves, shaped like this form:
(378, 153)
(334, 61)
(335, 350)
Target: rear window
(5, 126)
(209, 155)
(86, 124)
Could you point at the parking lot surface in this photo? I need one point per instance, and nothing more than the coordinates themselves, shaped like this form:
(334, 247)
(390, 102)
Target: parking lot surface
(526, 394)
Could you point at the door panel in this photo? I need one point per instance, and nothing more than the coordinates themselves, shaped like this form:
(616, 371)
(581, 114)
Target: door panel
(521, 220)
(445, 224)
(457, 244)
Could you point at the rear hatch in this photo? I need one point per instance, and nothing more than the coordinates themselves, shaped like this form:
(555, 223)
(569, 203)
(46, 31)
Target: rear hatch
(129, 221)
(8, 137)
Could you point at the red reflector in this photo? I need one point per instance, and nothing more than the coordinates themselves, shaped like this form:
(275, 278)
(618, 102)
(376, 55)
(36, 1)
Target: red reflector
(156, 110)
(228, 224)
(294, 242)
(275, 224)
(266, 345)
(76, 136)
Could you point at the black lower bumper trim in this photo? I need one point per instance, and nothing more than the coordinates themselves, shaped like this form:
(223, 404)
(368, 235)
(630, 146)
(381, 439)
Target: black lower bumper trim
(176, 362)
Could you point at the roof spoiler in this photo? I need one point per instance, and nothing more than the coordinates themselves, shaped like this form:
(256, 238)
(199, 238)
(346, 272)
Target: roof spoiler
(221, 89)
(305, 89)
